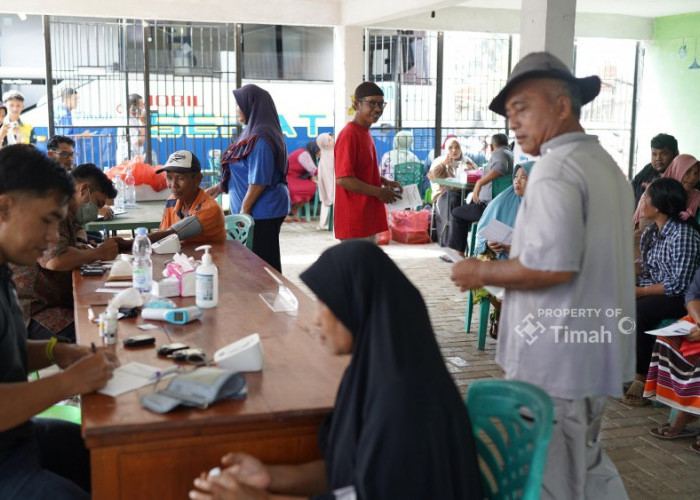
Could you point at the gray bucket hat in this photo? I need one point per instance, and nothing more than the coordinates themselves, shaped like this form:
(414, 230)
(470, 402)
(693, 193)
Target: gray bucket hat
(544, 65)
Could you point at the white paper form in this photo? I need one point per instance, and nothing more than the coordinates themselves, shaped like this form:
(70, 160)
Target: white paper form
(132, 376)
(498, 232)
(674, 330)
(410, 198)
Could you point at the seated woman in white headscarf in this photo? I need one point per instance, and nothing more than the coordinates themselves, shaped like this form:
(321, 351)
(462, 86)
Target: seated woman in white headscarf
(403, 142)
(449, 164)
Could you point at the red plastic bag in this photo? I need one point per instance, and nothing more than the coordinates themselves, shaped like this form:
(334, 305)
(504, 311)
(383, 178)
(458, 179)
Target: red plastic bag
(410, 227)
(383, 238)
(143, 173)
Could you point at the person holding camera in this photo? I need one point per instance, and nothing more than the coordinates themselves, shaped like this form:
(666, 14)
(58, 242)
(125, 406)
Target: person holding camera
(14, 130)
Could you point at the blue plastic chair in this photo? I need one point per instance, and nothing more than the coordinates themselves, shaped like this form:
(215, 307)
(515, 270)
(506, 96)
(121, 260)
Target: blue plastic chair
(498, 185)
(240, 227)
(512, 424)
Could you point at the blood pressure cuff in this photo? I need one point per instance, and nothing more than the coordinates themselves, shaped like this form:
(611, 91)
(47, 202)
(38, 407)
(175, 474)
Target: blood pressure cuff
(187, 228)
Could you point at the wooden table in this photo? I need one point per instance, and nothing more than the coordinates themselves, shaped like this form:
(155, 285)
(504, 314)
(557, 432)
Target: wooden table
(147, 214)
(138, 454)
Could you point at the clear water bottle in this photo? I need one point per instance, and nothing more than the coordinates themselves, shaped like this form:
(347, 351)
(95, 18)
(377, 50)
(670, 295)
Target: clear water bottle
(130, 191)
(120, 200)
(142, 266)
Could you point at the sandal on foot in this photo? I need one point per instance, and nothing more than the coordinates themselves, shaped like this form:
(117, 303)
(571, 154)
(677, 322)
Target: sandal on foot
(686, 432)
(635, 391)
(695, 447)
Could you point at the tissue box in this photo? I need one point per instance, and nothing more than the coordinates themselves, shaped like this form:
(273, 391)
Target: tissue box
(186, 279)
(167, 287)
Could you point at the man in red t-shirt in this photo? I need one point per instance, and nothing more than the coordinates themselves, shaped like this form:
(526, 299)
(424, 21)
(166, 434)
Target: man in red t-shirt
(359, 210)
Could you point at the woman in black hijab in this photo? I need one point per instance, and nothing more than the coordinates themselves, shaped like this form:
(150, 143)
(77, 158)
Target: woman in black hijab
(399, 429)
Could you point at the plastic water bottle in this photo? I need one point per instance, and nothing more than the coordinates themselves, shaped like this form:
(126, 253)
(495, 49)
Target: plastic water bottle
(120, 200)
(130, 190)
(142, 266)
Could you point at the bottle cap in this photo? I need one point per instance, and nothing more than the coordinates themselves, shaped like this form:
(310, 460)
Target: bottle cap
(140, 231)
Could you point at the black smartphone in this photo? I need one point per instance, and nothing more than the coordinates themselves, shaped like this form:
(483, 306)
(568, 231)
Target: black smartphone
(139, 340)
(168, 349)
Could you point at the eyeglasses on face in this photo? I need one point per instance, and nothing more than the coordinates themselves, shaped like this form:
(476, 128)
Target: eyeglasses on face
(63, 154)
(374, 104)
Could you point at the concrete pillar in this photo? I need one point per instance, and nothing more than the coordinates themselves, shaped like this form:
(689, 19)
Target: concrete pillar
(548, 25)
(348, 65)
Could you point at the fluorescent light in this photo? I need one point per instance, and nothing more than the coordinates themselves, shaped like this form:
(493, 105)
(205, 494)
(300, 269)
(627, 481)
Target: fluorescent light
(92, 70)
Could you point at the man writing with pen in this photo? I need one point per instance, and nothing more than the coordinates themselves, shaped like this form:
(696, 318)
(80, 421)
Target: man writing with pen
(39, 458)
(45, 287)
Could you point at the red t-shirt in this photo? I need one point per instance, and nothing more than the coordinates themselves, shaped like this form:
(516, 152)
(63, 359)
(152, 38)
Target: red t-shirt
(357, 215)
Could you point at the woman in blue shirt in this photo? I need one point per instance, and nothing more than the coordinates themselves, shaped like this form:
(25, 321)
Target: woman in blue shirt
(670, 249)
(254, 171)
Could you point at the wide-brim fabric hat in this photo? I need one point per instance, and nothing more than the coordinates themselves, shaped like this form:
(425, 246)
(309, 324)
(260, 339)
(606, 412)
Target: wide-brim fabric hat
(181, 162)
(544, 65)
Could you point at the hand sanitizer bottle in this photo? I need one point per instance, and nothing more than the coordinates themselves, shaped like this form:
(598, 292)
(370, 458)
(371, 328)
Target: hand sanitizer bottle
(206, 281)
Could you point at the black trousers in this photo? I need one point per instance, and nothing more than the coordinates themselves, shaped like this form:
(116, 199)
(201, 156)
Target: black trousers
(266, 241)
(462, 218)
(651, 310)
(443, 206)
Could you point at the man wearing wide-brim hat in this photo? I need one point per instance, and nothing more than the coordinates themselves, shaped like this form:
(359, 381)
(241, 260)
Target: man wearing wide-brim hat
(567, 314)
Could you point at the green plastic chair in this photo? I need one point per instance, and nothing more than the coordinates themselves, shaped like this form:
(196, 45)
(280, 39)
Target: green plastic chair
(498, 185)
(512, 423)
(410, 172)
(62, 412)
(240, 227)
(306, 209)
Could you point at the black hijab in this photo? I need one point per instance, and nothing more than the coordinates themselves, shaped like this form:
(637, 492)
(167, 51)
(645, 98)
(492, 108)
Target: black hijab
(399, 428)
(263, 121)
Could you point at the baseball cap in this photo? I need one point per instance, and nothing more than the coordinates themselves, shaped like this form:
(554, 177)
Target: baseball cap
(181, 162)
(544, 65)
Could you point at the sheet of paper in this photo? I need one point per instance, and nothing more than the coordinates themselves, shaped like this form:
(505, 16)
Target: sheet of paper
(130, 377)
(498, 232)
(410, 198)
(453, 255)
(118, 284)
(673, 330)
(496, 291)
(108, 290)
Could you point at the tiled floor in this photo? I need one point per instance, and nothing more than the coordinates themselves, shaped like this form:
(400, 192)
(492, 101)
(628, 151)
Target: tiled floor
(650, 468)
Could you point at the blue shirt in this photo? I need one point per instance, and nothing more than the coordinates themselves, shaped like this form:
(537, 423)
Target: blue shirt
(259, 168)
(672, 258)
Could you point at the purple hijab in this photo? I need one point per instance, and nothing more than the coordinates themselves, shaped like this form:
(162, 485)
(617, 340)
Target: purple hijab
(263, 121)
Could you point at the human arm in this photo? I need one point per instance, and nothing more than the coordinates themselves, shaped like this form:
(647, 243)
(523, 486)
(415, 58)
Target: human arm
(693, 308)
(646, 291)
(355, 185)
(680, 267)
(482, 182)
(470, 274)
(438, 169)
(251, 196)
(84, 372)
(498, 248)
(247, 477)
(394, 185)
(73, 257)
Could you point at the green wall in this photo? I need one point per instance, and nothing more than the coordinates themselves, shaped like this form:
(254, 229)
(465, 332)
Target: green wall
(670, 93)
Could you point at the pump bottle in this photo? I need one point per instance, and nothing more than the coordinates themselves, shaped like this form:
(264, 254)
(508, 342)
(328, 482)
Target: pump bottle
(206, 281)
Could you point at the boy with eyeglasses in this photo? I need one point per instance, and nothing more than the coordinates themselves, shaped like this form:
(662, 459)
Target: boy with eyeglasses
(359, 210)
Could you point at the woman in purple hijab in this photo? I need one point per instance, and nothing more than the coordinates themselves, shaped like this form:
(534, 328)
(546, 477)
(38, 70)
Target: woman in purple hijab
(254, 171)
